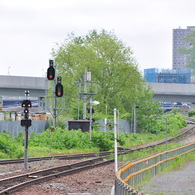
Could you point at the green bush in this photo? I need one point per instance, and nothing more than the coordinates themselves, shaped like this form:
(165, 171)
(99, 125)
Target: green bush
(3, 155)
(191, 113)
(65, 139)
(175, 121)
(20, 138)
(9, 147)
(103, 140)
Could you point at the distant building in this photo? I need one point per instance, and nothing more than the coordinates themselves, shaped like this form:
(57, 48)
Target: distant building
(180, 60)
(154, 75)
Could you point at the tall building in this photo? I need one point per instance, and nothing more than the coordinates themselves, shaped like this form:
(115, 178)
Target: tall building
(180, 60)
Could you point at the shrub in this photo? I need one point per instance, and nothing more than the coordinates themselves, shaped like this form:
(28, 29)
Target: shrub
(9, 147)
(65, 139)
(103, 140)
(191, 113)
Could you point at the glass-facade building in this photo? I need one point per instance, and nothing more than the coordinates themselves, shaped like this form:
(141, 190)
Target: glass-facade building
(154, 75)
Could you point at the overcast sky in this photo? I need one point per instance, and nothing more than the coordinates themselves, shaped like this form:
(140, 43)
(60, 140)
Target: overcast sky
(30, 29)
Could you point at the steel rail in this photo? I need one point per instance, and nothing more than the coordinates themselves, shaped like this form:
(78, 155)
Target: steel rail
(60, 157)
(48, 174)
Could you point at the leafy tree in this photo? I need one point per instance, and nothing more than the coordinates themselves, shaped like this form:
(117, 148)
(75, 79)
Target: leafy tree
(112, 65)
(147, 111)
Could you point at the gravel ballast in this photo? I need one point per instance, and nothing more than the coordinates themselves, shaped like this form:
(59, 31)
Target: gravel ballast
(97, 181)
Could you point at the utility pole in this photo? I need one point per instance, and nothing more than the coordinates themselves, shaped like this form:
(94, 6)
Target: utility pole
(135, 120)
(85, 93)
(90, 119)
(85, 97)
(54, 103)
(134, 129)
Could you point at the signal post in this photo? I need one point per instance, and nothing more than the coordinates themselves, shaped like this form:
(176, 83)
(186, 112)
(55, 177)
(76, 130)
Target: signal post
(58, 88)
(26, 122)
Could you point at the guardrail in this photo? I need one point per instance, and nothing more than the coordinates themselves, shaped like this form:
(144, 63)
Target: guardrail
(131, 175)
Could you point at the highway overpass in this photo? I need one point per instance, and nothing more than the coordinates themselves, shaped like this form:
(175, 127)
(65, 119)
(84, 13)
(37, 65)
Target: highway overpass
(16, 85)
(173, 92)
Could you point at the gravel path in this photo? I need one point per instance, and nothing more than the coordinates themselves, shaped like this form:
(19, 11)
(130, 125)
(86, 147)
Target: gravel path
(180, 182)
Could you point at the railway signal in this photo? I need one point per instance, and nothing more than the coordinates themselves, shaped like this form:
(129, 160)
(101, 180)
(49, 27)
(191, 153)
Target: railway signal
(26, 122)
(51, 71)
(59, 88)
(26, 104)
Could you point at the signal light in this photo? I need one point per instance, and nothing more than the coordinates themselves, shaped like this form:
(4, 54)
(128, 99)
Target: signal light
(59, 87)
(59, 90)
(26, 111)
(50, 71)
(26, 104)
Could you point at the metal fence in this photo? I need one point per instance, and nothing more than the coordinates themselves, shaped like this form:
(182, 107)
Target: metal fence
(130, 176)
(38, 126)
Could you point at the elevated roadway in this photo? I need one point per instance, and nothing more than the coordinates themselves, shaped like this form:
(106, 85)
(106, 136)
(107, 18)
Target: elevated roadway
(16, 85)
(173, 92)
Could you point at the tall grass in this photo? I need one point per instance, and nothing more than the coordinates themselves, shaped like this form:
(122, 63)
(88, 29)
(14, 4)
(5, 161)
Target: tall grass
(46, 151)
(146, 152)
(179, 161)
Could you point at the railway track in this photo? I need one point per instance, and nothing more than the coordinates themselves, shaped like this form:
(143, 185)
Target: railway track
(60, 157)
(11, 184)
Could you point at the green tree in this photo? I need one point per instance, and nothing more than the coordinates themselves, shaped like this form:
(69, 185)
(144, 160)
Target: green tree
(147, 111)
(112, 65)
